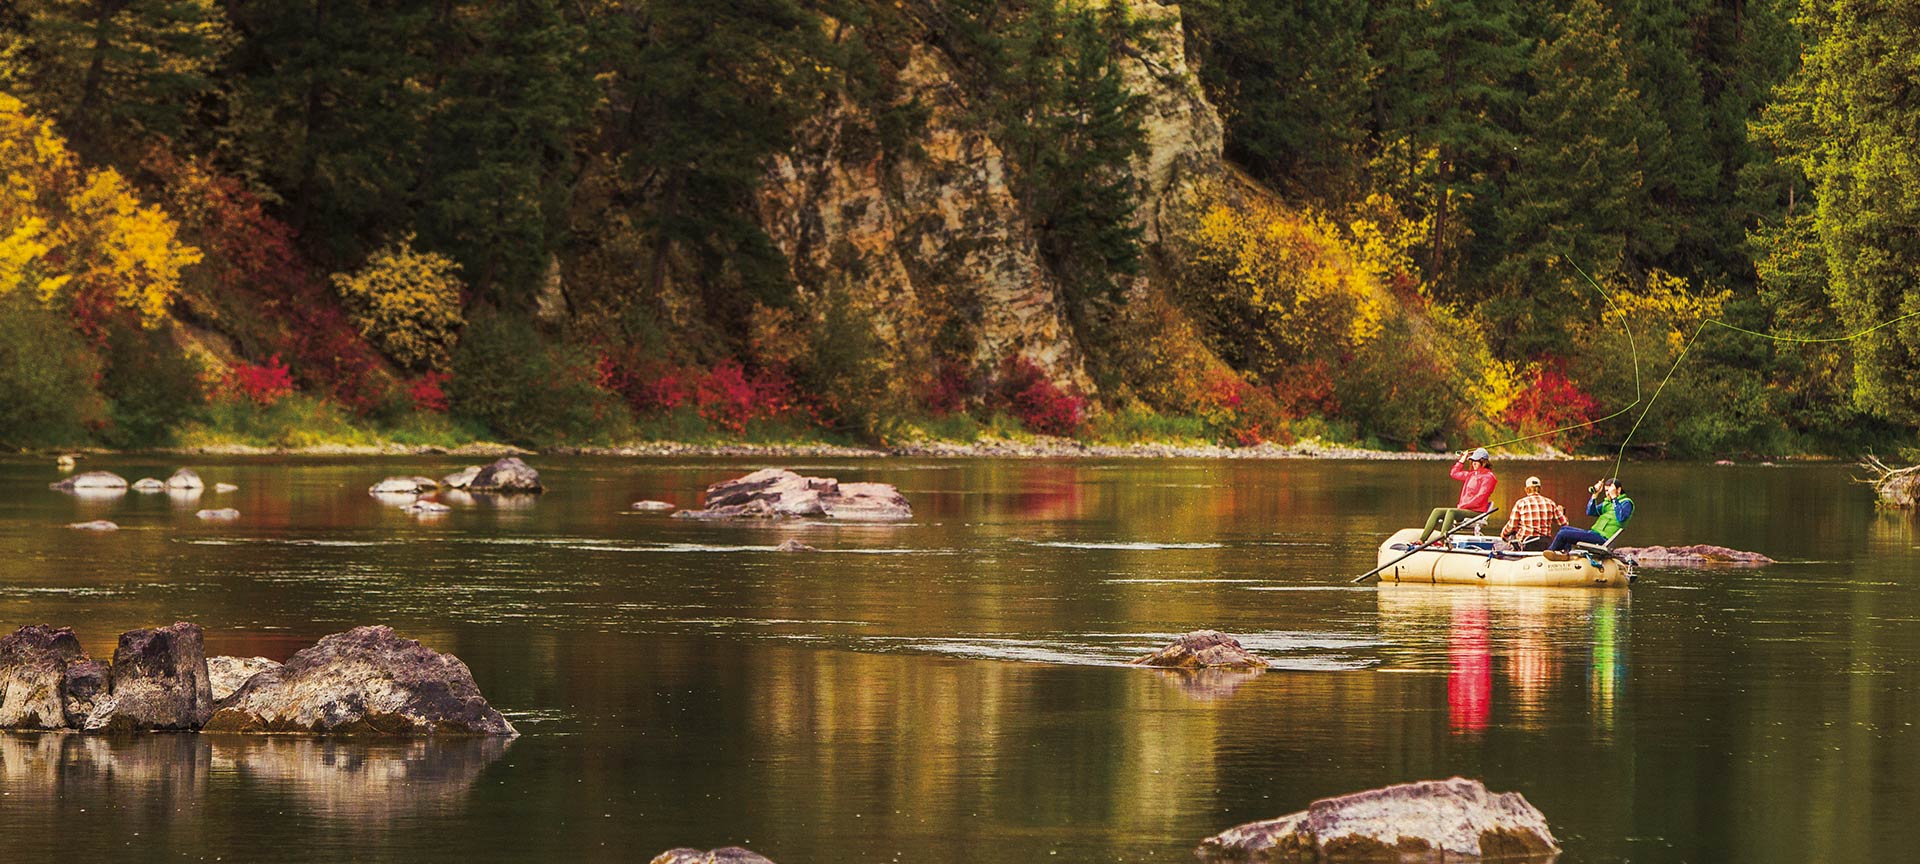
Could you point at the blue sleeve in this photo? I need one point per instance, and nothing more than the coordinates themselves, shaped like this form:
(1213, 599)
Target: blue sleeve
(1623, 509)
(1593, 506)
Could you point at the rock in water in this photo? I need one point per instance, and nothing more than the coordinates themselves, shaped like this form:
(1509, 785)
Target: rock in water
(46, 679)
(426, 508)
(90, 480)
(159, 681)
(1426, 821)
(652, 506)
(226, 674)
(366, 681)
(727, 855)
(507, 475)
(224, 514)
(1693, 556)
(403, 486)
(225, 487)
(794, 545)
(185, 479)
(776, 492)
(148, 484)
(1203, 649)
(95, 525)
(462, 478)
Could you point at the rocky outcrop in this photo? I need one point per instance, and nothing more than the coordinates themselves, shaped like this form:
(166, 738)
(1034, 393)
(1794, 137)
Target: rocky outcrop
(462, 478)
(149, 484)
(185, 480)
(726, 855)
(1693, 556)
(506, 475)
(92, 480)
(652, 506)
(95, 525)
(773, 493)
(366, 681)
(47, 681)
(1432, 820)
(226, 674)
(224, 514)
(158, 682)
(1203, 649)
(403, 486)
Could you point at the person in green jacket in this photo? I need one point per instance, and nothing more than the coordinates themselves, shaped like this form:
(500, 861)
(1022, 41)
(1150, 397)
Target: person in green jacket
(1611, 508)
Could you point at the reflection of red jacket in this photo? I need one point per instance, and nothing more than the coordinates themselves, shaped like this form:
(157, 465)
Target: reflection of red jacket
(1477, 494)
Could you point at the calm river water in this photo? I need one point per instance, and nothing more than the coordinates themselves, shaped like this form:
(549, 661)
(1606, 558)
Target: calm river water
(948, 690)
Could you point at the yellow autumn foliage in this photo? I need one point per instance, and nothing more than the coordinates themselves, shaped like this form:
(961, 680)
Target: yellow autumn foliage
(407, 303)
(1284, 287)
(1665, 306)
(76, 229)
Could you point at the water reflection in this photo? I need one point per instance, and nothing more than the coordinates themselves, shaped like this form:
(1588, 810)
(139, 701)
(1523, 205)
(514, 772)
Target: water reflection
(1531, 635)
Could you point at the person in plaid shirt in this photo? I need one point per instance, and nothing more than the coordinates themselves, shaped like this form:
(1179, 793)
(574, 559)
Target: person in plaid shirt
(1535, 518)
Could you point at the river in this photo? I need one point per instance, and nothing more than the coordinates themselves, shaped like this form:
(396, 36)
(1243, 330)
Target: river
(949, 690)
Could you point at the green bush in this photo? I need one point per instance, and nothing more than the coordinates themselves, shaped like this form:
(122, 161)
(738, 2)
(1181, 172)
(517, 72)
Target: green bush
(507, 377)
(150, 385)
(46, 378)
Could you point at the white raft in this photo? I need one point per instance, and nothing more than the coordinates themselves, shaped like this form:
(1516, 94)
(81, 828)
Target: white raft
(1471, 561)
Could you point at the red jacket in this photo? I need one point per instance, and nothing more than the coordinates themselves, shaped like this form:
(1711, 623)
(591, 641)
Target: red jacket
(1477, 494)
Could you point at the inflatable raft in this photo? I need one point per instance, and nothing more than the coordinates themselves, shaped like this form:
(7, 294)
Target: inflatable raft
(1472, 560)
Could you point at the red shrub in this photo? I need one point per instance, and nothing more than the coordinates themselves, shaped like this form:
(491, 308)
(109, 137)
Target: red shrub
(428, 392)
(1551, 400)
(1039, 404)
(728, 398)
(263, 384)
(648, 386)
(1306, 389)
(950, 388)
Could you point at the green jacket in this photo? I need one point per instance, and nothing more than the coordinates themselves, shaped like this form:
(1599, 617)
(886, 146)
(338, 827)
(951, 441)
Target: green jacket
(1613, 513)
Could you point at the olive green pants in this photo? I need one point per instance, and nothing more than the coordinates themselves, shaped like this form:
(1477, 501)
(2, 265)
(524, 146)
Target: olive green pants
(1445, 518)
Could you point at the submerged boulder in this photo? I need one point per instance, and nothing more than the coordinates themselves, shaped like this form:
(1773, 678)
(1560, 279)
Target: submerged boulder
(90, 480)
(185, 479)
(226, 674)
(47, 681)
(462, 478)
(725, 855)
(1693, 556)
(506, 475)
(426, 508)
(773, 493)
(794, 545)
(366, 681)
(224, 514)
(159, 681)
(1431, 820)
(1203, 649)
(95, 525)
(403, 486)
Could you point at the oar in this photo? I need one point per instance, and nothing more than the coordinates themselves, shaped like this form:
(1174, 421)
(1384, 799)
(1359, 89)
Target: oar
(1422, 547)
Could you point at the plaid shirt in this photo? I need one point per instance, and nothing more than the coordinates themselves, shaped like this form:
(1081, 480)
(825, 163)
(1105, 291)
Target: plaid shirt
(1534, 515)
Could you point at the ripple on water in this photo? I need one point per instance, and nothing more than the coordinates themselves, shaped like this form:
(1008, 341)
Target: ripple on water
(1124, 546)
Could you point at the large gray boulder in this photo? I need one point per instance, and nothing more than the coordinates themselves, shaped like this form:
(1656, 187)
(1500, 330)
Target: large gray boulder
(1432, 820)
(403, 486)
(95, 480)
(226, 674)
(185, 480)
(725, 855)
(506, 475)
(462, 478)
(47, 681)
(774, 493)
(1203, 649)
(366, 681)
(159, 682)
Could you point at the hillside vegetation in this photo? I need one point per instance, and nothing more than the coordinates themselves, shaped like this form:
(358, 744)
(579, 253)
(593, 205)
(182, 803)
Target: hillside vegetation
(338, 222)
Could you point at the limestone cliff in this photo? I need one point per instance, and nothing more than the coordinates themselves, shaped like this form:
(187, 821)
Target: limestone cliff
(930, 236)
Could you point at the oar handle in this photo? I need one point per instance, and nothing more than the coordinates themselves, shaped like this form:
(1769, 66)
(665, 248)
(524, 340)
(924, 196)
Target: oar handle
(1421, 547)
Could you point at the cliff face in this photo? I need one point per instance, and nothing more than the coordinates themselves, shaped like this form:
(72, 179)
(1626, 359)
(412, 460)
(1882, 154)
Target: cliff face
(930, 237)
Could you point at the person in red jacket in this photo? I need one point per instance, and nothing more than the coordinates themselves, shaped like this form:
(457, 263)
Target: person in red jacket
(1476, 493)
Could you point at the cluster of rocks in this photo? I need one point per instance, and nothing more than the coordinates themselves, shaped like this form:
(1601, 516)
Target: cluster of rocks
(366, 681)
(1432, 820)
(775, 493)
(507, 476)
(1693, 556)
(184, 485)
